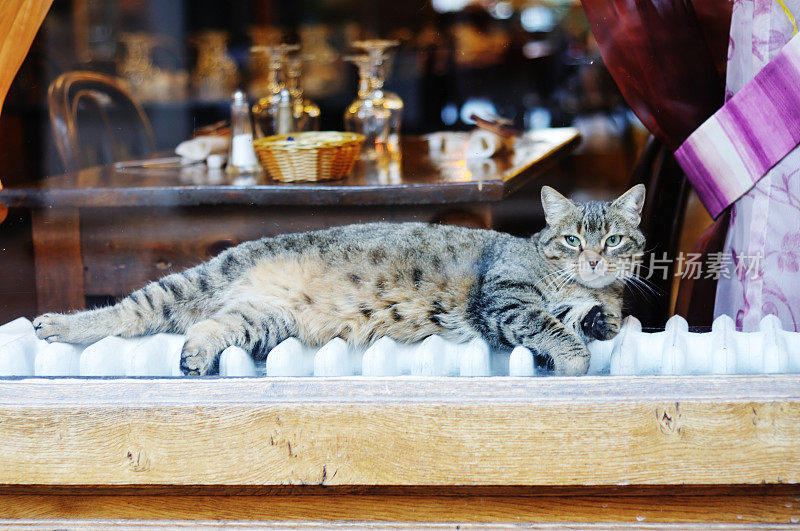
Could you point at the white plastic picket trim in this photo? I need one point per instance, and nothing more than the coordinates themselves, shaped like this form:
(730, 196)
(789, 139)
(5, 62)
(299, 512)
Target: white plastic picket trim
(631, 352)
(678, 351)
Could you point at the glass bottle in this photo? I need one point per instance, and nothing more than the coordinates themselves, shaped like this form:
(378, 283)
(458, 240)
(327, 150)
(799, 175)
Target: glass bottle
(305, 112)
(377, 51)
(241, 157)
(367, 114)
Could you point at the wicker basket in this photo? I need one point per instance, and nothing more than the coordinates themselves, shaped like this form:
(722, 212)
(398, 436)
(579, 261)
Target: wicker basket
(310, 156)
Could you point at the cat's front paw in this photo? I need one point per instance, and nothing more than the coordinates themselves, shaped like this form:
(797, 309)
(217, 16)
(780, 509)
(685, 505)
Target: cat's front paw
(574, 362)
(52, 327)
(598, 324)
(198, 360)
(200, 354)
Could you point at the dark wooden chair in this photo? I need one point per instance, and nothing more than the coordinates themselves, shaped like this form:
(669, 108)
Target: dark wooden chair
(662, 223)
(96, 121)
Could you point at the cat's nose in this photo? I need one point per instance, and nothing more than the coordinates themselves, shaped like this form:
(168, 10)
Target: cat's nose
(592, 259)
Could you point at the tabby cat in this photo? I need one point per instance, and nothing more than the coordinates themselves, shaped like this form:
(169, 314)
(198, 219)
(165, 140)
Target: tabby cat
(551, 293)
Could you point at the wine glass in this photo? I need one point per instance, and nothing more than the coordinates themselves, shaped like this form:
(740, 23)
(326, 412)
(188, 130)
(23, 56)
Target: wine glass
(269, 110)
(261, 37)
(377, 51)
(367, 114)
(304, 111)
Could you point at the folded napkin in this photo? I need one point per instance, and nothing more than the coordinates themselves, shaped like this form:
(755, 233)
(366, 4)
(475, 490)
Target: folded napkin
(198, 148)
(484, 144)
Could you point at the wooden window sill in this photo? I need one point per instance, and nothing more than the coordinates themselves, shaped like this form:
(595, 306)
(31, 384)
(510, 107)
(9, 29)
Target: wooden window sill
(557, 432)
(311, 452)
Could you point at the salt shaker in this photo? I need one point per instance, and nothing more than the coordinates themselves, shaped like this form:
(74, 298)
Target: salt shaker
(285, 117)
(242, 157)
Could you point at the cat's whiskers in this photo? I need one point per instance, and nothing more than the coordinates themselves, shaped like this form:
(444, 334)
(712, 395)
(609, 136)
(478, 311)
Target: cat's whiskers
(641, 286)
(549, 280)
(645, 283)
(564, 273)
(635, 289)
(644, 280)
(652, 287)
(556, 272)
(570, 277)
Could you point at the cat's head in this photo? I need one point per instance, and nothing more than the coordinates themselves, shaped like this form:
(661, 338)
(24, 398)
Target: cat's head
(597, 243)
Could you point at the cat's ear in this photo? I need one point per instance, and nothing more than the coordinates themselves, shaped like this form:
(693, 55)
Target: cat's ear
(555, 205)
(631, 202)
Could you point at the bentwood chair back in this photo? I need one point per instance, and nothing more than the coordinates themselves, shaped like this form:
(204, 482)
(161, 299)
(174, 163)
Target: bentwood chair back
(95, 121)
(662, 221)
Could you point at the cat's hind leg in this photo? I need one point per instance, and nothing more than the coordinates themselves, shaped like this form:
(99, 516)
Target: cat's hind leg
(255, 327)
(171, 304)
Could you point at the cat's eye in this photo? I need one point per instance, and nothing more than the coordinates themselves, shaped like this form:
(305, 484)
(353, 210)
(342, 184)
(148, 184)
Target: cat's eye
(613, 240)
(572, 241)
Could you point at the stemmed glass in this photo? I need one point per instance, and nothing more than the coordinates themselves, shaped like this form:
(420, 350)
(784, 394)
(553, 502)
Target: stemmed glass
(261, 37)
(270, 111)
(304, 112)
(376, 50)
(367, 114)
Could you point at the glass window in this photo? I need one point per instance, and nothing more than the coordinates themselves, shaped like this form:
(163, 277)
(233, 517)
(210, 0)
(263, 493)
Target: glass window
(144, 138)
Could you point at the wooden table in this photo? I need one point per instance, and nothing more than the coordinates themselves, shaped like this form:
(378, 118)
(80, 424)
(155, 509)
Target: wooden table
(109, 230)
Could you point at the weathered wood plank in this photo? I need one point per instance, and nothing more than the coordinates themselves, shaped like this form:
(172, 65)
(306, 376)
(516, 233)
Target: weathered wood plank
(130, 524)
(464, 491)
(639, 511)
(146, 392)
(406, 431)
